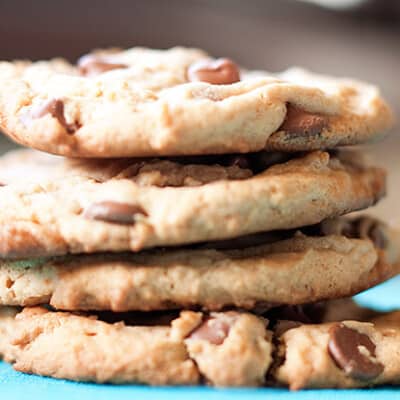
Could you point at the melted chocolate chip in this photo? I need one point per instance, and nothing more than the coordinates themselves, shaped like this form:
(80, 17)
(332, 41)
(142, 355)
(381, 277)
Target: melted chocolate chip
(111, 211)
(214, 329)
(92, 65)
(353, 352)
(302, 123)
(54, 107)
(217, 72)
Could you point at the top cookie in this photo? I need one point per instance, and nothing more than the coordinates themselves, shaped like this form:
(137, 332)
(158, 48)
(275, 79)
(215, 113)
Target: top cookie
(143, 102)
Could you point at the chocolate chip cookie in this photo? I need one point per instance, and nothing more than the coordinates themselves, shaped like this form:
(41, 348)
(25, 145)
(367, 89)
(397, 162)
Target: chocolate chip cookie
(289, 268)
(344, 354)
(231, 348)
(225, 349)
(143, 102)
(61, 206)
(7, 315)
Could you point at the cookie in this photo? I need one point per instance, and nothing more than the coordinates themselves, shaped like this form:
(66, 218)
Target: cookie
(346, 354)
(143, 102)
(347, 309)
(7, 315)
(121, 205)
(299, 269)
(285, 317)
(224, 349)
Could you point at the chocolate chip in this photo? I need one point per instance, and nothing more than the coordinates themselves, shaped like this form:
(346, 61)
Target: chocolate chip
(92, 65)
(218, 72)
(54, 107)
(111, 211)
(302, 123)
(353, 352)
(214, 329)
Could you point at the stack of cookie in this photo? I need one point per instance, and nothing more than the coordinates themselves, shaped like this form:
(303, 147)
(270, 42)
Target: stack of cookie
(192, 230)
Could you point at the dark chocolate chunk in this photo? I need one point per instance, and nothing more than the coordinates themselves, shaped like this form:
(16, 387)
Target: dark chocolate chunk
(353, 352)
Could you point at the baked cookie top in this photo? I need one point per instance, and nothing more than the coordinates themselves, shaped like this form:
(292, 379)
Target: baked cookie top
(78, 206)
(143, 102)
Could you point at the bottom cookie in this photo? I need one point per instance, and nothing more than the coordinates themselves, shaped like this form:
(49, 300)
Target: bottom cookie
(230, 348)
(7, 315)
(224, 349)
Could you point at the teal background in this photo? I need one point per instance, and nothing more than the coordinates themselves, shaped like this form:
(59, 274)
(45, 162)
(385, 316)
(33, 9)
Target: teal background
(15, 385)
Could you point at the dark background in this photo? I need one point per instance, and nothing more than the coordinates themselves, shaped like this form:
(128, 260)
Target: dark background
(363, 42)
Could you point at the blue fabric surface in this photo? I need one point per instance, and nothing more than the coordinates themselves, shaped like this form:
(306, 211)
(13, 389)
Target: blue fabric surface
(19, 386)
